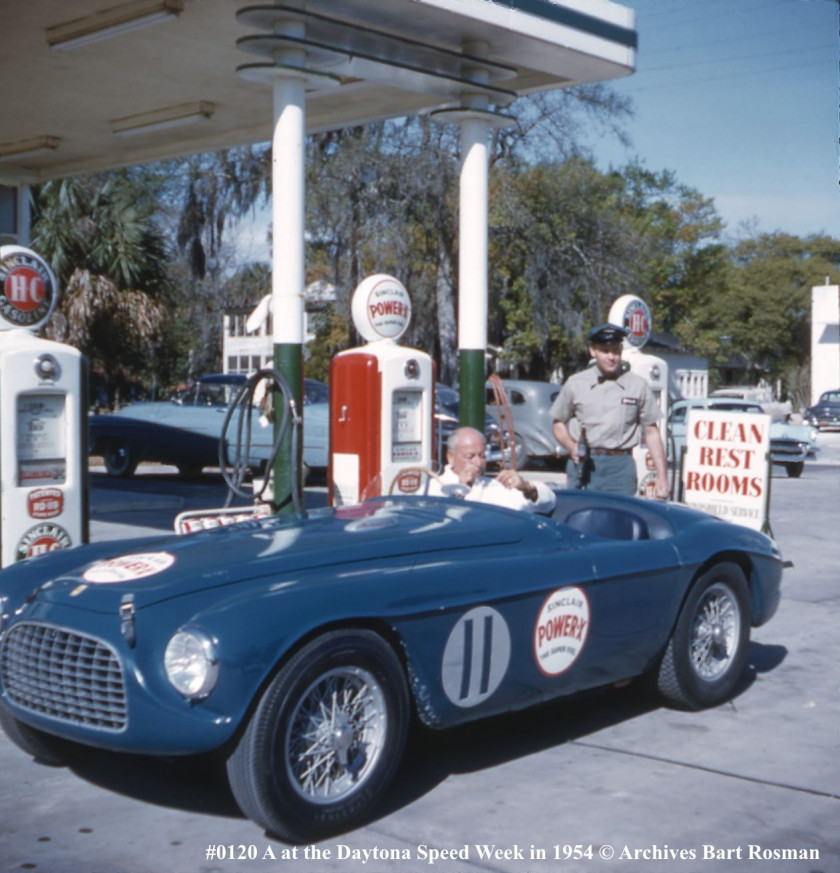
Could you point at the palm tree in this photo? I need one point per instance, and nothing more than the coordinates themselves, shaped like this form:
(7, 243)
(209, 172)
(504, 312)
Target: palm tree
(99, 235)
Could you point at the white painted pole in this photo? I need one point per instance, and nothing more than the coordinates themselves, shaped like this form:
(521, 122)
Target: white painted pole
(472, 270)
(287, 174)
(472, 266)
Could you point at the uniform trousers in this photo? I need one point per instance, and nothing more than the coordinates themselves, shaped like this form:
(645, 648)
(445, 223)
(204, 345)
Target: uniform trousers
(615, 474)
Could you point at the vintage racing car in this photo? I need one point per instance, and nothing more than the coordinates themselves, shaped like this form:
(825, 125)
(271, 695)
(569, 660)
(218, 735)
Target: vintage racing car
(301, 647)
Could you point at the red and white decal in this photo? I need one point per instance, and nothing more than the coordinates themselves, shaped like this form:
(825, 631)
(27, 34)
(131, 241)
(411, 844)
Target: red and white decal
(41, 539)
(45, 502)
(561, 631)
(27, 288)
(126, 568)
(409, 481)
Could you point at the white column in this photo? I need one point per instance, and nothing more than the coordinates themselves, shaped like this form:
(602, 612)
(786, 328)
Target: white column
(472, 265)
(287, 174)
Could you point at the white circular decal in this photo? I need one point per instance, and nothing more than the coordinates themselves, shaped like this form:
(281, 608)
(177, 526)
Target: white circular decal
(129, 567)
(561, 630)
(476, 656)
(381, 308)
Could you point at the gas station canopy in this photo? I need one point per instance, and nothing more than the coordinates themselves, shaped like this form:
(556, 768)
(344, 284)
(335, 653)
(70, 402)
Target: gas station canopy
(94, 85)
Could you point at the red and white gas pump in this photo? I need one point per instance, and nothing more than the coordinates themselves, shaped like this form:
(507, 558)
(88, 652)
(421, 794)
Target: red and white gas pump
(381, 396)
(632, 313)
(43, 429)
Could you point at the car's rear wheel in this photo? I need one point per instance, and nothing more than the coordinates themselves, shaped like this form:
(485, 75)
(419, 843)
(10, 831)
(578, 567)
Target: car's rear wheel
(326, 738)
(706, 654)
(42, 747)
(118, 459)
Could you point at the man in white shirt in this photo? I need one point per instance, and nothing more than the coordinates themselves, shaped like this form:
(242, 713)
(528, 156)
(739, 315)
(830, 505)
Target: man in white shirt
(466, 459)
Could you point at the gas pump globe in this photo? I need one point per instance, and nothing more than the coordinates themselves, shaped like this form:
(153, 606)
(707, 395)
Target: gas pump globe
(632, 313)
(43, 444)
(381, 396)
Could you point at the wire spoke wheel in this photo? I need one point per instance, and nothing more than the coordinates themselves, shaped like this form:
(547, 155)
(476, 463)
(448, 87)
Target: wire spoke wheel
(707, 652)
(716, 632)
(325, 739)
(336, 735)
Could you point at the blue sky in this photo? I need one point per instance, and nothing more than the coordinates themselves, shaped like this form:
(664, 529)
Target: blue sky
(740, 99)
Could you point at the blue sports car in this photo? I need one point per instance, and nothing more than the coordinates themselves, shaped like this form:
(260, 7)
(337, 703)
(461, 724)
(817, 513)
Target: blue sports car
(301, 647)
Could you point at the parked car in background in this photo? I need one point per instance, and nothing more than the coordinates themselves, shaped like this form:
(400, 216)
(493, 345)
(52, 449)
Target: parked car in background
(825, 413)
(185, 432)
(790, 444)
(778, 410)
(530, 403)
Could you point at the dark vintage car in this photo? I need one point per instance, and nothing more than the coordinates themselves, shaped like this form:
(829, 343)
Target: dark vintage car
(825, 413)
(299, 649)
(185, 432)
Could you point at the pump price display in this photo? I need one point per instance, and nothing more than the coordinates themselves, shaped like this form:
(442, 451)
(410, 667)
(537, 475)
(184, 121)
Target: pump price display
(41, 449)
(407, 429)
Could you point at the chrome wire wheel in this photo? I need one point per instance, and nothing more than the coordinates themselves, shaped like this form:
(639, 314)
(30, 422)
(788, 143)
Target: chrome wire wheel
(336, 735)
(326, 737)
(716, 632)
(707, 652)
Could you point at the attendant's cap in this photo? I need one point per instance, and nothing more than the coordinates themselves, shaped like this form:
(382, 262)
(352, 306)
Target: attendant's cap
(606, 333)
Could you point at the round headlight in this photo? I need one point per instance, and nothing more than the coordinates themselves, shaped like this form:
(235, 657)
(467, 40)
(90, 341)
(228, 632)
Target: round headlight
(191, 662)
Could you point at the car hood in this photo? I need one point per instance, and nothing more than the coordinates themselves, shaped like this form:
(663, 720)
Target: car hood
(278, 548)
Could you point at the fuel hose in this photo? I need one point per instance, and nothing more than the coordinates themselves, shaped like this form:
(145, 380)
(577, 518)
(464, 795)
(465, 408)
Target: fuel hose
(235, 464)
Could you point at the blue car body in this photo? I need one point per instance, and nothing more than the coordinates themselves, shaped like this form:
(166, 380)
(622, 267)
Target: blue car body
(486, 610)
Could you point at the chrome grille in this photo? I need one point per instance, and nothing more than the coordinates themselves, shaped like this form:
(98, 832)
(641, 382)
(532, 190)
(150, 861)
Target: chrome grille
(56, 672)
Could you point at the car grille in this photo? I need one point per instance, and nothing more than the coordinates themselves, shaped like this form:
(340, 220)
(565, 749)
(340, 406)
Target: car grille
(63, 675)
(787, 447)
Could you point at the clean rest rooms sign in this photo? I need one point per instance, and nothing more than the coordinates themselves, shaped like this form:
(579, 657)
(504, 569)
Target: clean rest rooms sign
(727, 465)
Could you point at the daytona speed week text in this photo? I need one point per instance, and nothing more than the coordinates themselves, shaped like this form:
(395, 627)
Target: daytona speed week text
(491, 852)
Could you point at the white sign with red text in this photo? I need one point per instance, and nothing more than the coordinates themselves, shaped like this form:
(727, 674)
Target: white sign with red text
(727, 468)
(561, 630)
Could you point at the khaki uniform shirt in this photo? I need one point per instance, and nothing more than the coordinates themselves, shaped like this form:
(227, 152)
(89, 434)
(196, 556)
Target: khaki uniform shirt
(613, 411)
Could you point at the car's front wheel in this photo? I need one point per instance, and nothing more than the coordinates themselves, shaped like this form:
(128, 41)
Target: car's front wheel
(118, 458)
(706, 654)
(795, 468)
(326, 738)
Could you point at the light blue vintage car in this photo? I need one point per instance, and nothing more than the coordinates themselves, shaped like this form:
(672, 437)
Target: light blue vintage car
(299, 649)
(790, 444)
(185, 432)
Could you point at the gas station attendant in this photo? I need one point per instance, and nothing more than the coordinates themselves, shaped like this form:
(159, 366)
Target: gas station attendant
(601, 414)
